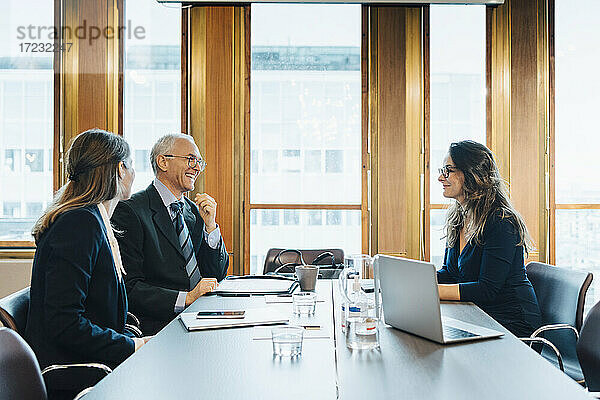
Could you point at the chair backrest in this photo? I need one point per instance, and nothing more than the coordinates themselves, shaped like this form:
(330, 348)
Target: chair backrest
(272, 262)
(20, 376)
(588, 349)
(561, 295)
(14, 309)
(560, 292)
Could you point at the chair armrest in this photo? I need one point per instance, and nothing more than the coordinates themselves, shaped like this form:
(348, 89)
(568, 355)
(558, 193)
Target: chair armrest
(133, 320)
(135, 330)
(56, 367)
(74, 377)
(554, 327)
(548, 343)
(83, 393)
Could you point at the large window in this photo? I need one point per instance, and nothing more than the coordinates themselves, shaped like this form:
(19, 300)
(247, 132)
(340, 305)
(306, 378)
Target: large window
(577, 102)
(152, 98)
(457, 93)
(26, 116)
(305, 128)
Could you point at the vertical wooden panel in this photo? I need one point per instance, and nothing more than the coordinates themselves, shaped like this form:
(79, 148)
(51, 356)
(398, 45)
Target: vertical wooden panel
(365, 139)
(520, 96)
(551, 252)
(241, 121)
(392, 149)
(92, 72)
(498, 129)
(219, 113)
(185, 28)
(90, 69)
(58, 82)
(525, 151)
(414, 109)
(121, 66)
(426, 136)
(398, 112)
(373, 76)
(197, 85)
(217, 79)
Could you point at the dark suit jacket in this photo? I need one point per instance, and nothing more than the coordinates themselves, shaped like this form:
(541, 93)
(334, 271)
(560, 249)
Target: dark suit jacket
(78, 306)
(153, 258)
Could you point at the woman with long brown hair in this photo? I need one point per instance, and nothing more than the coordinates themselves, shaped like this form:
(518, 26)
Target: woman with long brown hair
(78, 301)
(486, 239)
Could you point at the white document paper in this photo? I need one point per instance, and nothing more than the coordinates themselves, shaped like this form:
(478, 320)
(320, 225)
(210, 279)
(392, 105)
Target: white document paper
(254, 316)
(256, 285)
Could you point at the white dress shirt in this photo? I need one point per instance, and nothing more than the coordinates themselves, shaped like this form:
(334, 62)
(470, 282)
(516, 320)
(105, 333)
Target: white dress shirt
(212, 238)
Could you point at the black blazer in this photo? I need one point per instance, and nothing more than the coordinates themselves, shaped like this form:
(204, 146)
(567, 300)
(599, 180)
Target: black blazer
(78, 306)
(153, 258)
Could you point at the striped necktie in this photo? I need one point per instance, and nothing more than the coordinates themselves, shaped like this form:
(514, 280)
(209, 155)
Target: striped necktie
(191, 266)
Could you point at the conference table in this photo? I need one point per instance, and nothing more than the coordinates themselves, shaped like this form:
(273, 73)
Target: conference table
(231, 364)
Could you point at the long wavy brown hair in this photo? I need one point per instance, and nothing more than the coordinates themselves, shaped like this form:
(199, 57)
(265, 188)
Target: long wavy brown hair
(92, 163)
(485, 193)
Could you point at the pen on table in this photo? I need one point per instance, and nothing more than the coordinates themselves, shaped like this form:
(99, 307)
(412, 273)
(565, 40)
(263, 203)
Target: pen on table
(311, 327)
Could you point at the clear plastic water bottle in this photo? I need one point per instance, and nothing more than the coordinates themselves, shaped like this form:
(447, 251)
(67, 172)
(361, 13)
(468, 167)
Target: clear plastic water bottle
(347, 293)
(361, 322)
(349, 308)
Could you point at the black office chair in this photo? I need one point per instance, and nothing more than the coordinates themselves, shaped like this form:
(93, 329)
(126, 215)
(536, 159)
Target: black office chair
(14, 309)
(20, 375)
(13, 314)
(285, 260)
(561, 296)
(588, 349)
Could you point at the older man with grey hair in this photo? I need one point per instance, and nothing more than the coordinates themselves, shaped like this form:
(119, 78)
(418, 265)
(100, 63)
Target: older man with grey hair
(171, 247)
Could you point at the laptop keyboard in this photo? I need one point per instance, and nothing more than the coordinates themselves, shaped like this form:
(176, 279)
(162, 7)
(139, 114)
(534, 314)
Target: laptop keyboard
(451, 332)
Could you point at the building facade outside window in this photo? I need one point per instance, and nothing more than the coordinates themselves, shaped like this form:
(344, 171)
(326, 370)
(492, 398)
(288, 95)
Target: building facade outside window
(577, 188)
(305, 130)
(152, 89)
(26, 119)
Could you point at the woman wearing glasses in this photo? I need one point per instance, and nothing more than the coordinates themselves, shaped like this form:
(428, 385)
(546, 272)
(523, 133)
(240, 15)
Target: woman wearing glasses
(486, 239)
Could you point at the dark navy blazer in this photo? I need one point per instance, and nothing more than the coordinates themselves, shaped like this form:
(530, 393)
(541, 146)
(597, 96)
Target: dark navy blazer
(78, 306)
(492, 275)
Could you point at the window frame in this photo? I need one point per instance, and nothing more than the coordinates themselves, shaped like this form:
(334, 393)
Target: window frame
(428, 171)
(26, 248)
(552, 142)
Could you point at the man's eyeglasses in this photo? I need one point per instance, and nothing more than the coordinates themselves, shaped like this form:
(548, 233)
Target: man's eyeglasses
(446, 170)
(193, 162)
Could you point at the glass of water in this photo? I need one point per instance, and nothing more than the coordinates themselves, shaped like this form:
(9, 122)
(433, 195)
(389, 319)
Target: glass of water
(362, 333)
(287, 341)
(304, 303)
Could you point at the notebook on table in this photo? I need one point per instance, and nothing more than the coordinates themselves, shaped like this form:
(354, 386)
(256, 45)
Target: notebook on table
(253, 317)
(256, 284)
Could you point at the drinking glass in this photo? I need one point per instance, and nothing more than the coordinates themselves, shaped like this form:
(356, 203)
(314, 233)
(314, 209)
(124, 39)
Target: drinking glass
(287, 341)
(304, 303)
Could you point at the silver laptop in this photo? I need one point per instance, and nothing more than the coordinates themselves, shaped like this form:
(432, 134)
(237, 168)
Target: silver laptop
(411, 302)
